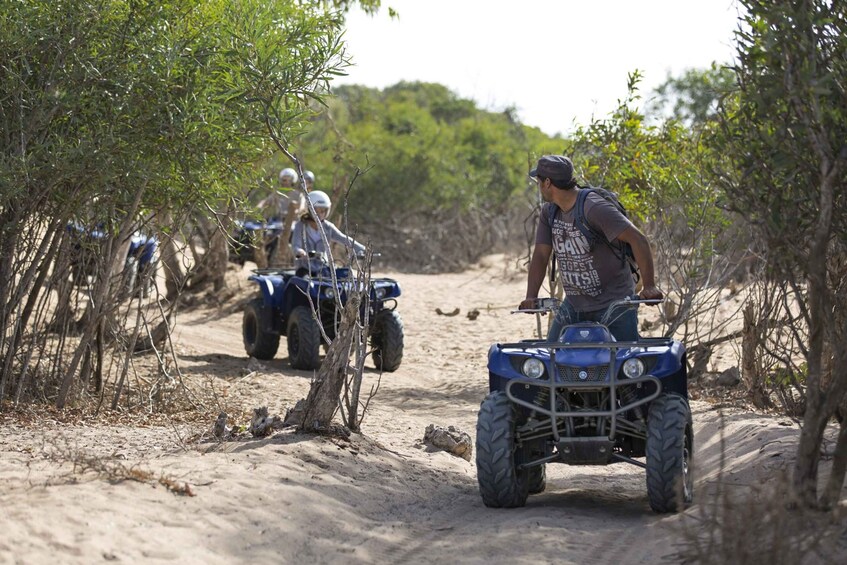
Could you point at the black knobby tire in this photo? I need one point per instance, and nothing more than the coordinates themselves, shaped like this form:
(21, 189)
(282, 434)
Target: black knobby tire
(500, 483)
(304, 339)
(387, 340)
(258, 343)
(670, 445)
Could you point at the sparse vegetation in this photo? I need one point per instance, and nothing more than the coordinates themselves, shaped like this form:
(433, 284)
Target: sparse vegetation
(168, 118)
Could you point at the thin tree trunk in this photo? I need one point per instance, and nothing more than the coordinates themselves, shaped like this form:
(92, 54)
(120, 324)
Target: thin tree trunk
(808, 449)
(29, 287)
(324, 394)
(282, 255)
(218, 258)
(98, 373)
(99, 305)
(97, 308)
(8, 244)
(174, 277)
(129, 350)
(816, 416)
(832, 492)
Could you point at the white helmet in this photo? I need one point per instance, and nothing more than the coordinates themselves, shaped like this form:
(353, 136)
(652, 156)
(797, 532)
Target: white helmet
(288, 174)
(309, 177)
(320, 199)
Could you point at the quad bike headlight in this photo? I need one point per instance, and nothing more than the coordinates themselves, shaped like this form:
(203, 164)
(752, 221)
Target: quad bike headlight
(380, 293)
(533, 368)
(633, 368)
(329, 293)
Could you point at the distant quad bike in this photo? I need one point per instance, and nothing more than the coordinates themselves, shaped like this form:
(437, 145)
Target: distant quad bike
(585, 400)
(140, 265)
(248, 234)
(285, 308)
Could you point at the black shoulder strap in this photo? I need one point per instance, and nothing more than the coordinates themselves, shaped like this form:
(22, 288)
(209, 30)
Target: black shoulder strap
(552, 210)
(581, 220)
(592, 234)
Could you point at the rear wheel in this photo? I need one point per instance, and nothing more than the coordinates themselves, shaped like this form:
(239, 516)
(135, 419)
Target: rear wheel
(670, 444)
(258, 343)
(304, 339)
(387, 340)
(501, 484)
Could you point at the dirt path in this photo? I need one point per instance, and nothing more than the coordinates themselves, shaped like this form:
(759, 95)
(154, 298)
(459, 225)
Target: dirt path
(383, 497)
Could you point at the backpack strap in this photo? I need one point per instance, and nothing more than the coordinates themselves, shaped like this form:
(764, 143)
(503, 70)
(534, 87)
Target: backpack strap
(592, 234)
(580, 220)
(552, 210)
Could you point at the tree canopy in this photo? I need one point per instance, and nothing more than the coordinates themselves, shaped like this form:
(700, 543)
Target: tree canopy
(784, 135)
(120, 113)
(424, 149)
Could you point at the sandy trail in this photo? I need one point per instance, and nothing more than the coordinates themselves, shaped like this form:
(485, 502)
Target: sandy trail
(383, 497)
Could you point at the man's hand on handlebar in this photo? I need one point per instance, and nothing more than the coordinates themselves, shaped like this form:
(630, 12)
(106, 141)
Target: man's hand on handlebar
(539, 305)
(651, 292)
(528, 304)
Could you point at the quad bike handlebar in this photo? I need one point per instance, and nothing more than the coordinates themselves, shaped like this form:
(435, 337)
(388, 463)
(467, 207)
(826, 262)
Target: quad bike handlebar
(552, 304)
(321, 256)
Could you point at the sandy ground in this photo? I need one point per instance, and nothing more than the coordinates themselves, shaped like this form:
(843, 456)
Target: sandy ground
(381, 497)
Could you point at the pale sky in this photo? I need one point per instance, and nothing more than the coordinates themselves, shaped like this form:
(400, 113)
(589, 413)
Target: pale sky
(557, 61)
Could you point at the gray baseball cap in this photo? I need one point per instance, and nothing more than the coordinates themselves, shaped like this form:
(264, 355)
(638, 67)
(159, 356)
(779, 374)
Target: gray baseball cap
(556, 167)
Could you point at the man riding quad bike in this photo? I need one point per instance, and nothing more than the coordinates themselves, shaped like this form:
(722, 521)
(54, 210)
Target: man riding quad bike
(248, 234)
(585, 399)
(303, 306)
(257, 240)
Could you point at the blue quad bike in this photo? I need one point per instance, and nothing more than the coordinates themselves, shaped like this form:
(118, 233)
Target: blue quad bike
(249, 233)
(140, 265)
(585, 399)
(285, 307)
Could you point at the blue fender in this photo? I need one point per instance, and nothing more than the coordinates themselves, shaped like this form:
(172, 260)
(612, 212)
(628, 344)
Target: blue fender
(271, 288)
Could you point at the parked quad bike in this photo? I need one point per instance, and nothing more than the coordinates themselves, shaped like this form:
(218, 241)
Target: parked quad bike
(140, 265)
(248, 234)
(285, 307)
(585, 399)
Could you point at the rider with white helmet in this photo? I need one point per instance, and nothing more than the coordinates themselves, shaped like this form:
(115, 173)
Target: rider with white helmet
(274, 207)
(279, 209)
(306, 238)
(309, 177)
(320, 202)
(288, 178)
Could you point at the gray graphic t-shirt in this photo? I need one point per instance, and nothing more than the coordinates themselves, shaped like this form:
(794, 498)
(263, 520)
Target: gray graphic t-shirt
(592, 278)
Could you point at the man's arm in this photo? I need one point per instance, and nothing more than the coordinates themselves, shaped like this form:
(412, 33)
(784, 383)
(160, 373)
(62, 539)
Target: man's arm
(335, 235)
(537, 272)
(297, 240)
(644, 258)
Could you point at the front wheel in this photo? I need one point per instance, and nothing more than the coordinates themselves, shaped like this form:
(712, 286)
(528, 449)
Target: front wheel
(304, 339)
(258, 343)
(501, 484)
(670, 444)
(387, 340)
